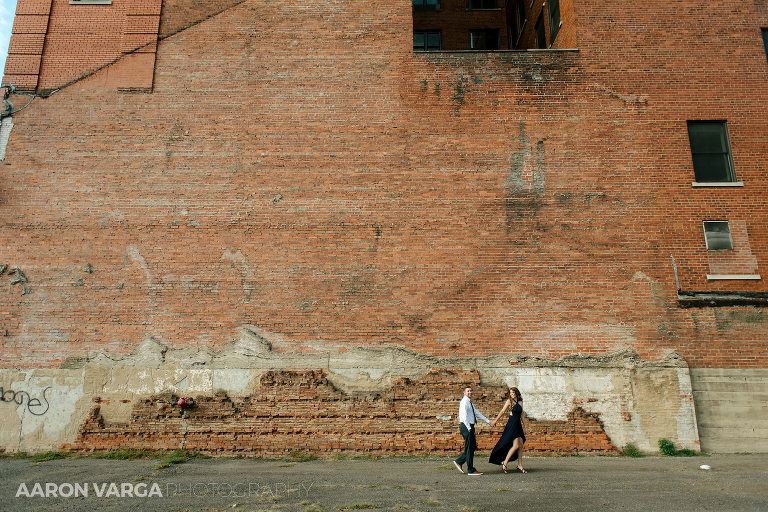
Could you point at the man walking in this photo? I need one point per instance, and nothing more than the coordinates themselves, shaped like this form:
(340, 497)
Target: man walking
(468, 416)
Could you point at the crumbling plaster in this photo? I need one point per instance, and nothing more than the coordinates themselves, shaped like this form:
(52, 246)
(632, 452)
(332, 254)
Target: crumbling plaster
(638, 401)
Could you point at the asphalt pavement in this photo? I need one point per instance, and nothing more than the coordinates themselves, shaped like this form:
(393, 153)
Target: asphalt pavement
(734, 483)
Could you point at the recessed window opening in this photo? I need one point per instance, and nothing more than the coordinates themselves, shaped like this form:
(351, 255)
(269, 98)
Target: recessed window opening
(427, 40)
(765, 40)
(717, 235)
(488, 25)
(427, 5)
(541, 37)
(554, 19)
(484, 39)
(482, 4)
(711, 151)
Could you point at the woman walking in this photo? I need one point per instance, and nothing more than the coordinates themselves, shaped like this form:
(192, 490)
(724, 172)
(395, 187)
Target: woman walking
(510, 446)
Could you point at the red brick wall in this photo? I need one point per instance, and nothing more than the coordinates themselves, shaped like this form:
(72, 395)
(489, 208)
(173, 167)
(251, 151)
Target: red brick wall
(300, 169)
(301, 412)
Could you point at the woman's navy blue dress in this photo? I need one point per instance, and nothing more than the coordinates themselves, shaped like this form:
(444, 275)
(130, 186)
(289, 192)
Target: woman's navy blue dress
(512, 431)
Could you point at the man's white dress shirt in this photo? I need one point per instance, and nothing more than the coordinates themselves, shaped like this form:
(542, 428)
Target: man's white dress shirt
(468, 415)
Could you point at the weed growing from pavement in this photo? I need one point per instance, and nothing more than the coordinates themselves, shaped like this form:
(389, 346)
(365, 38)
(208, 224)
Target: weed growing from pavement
(431, 502)
(630, 450)
(46, 456)
(372, 456)
(300, 456)
(128, 454)
(685, 452)
(178, 457)
(14, 455)
(357, 506)
(666, 446)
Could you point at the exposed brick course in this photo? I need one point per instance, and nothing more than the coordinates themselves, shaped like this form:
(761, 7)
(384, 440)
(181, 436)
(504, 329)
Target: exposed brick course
(299, 411)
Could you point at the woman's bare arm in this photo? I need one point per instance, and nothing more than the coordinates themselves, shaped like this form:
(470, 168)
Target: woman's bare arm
(506, 406)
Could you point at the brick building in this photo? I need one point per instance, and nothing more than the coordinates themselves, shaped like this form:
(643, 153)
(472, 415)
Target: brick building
(322, 219)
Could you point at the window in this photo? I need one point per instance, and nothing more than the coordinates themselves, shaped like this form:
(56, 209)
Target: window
(711, 151)
(484, 39)
(717, 235)
(426, 5)
(482, 4)
(426, 40)
(541, 37)
(554, 19)
(765, 40)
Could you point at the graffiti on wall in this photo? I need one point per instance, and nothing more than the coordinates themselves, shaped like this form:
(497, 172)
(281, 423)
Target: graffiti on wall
(34, 405)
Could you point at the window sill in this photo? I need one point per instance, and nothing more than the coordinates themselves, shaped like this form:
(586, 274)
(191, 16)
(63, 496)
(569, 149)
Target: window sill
(90, 2)
(697, 184)
(733, 277)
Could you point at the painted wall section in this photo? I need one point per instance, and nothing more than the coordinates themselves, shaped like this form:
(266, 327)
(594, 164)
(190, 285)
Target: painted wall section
(55, 42)
(255, 401)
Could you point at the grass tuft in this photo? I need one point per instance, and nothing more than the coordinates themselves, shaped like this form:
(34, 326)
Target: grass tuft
(300, 456)
(630, 450)
(178, 457)
(128, 454)
(685, 452)
(667, 447)
(46, 456)
(357, 506)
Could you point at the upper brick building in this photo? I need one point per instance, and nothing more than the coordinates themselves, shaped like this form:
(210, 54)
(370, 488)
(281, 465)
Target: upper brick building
(550, 183)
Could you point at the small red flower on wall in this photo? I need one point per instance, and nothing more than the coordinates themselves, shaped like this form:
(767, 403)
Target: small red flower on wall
(185, 402)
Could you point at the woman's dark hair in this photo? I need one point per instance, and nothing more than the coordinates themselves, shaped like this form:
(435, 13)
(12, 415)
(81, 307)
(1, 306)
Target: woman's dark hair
(516, 393)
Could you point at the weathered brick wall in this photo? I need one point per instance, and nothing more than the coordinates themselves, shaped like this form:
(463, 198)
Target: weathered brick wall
(298, 168)
(301, 412)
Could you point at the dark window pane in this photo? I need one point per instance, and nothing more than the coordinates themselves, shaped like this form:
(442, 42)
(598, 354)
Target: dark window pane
(433, 40)
(711, 168)
(482, 4)
(426, 40)
(717, 235)
(541, 38)
(426, 4)
(707, 138)
(487, 39)
(765, 41)
(710, 151)
(418, 40)
(554, 18)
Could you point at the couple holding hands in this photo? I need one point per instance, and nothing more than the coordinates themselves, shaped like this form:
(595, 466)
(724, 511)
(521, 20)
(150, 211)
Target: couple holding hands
(509, 447)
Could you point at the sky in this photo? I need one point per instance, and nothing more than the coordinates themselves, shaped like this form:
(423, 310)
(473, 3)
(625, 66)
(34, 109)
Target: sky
(7, 9)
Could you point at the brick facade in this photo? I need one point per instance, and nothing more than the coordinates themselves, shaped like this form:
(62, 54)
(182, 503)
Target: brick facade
(296, 166)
